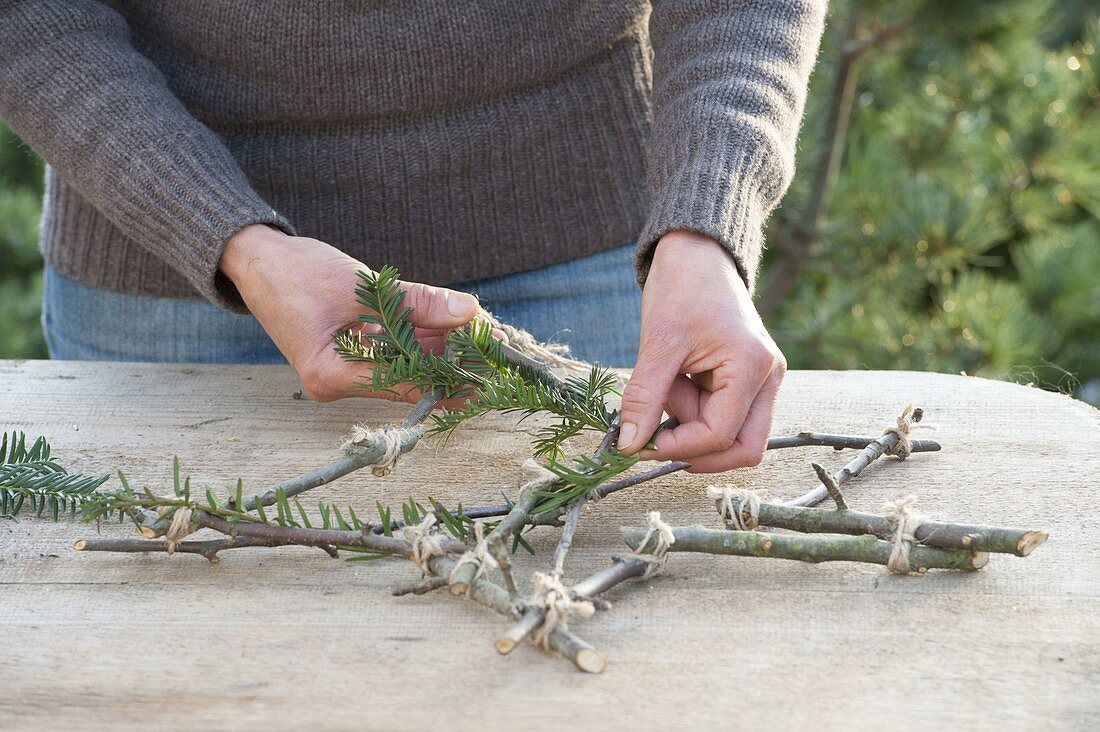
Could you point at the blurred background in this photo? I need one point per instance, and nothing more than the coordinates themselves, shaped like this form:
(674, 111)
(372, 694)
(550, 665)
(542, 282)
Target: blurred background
(945, 215)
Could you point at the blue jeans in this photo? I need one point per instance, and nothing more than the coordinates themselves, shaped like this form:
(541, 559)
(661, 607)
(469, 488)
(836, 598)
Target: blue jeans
(592, 304)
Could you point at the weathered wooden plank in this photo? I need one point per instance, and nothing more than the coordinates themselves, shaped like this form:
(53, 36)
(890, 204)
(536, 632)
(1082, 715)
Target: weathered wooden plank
(290, 638)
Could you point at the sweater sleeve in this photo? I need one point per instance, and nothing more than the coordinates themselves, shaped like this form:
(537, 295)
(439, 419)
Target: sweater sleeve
(729, 88)
(74, 88)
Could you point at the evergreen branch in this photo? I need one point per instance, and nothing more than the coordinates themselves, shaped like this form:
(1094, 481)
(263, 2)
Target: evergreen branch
(579, 481)
(381, 293)
(288, 513)
(29, 475)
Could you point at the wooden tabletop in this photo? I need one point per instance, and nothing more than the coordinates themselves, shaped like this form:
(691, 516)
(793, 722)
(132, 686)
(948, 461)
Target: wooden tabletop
(289, 638)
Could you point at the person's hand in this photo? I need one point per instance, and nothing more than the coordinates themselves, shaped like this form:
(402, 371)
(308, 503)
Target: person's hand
(302, 292)
(705, 358)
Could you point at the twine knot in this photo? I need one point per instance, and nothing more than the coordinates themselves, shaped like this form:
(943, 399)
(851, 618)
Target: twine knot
(180, 526)
(551, 354)
(907, 422)
(479, 556)
(906, 522)
(539, 473)
(745, 515)
(425, 544)
(552, 595)
(391, 439)
(665, 538)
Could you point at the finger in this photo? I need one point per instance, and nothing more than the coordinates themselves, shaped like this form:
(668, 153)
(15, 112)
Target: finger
(422, 333)
(719, 420)
(752, 441)
(644, 398)
(327, 378)
(684, 399)
(438, 307)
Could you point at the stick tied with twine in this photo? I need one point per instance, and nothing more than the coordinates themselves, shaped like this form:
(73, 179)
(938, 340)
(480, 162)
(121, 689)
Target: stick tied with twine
(425, 544)
(907, 422)
(559, 604)
(180, 526)
(390, 437)
(907, 520)
(480, 556)
(745, 515)
(555, 355)
(662, 532)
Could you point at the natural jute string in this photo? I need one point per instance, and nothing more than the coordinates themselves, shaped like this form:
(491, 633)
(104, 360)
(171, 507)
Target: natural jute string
(665, 538)
(181, 525)
(479, 556)
(905, 425)
(906, 521)
(391, 438)
(551, 354)
(425, 544)
(747, 502)
(559, 604)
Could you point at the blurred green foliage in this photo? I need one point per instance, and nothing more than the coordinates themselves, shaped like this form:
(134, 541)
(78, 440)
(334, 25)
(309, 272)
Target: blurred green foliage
(945, 215)
(20, 264)
(952, 223)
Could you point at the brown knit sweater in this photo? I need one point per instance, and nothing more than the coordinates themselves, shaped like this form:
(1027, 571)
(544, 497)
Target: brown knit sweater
(455, 140)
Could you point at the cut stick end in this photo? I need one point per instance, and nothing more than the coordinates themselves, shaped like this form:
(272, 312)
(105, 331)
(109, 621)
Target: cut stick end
(79, 545)
(1027, 543)
(504, 646)
(458, 588)
(590, 661)
(979, 560)
(146, 532)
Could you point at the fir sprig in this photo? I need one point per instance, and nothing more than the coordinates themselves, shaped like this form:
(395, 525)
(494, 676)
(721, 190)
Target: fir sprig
(30, 475)
(475, 366)
(579, 479)
(287, 512)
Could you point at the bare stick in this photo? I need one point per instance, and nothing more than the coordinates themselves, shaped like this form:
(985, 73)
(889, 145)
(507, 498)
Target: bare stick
(208, 549)
(840, 442)
(659, 472)
(565, 542)
(945, 535)
(874, 450)
(584, 656)
(428, 584)
(573, 514)
(513, 521)
(622, 569)
(504, 563)
(831, 486)
(810, 548)
(366, 454)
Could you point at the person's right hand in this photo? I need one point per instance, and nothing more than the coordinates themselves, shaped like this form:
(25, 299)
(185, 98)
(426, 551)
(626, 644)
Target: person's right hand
(302, 292)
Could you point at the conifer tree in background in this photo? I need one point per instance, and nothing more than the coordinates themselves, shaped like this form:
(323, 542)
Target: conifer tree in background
(946, 211)
(945, 215)
(21, 183)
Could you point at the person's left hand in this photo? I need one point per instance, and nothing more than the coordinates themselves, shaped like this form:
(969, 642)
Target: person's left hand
(705, 358)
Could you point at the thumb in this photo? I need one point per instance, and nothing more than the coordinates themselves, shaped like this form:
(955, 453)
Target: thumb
(644, 398)
(438, 307)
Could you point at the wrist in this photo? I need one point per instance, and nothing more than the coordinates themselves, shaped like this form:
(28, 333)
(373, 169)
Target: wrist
(680, 247)
(245, 251)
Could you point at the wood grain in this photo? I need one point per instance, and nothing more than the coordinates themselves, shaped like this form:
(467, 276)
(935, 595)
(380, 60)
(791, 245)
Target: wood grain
(288, 638)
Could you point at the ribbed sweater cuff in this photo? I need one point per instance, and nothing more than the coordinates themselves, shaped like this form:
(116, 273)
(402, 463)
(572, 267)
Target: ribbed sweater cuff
(725, 193)
(200, 203)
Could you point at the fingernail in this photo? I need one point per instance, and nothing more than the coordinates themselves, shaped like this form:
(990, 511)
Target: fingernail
(627, 433)
(461, 306)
